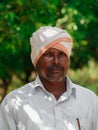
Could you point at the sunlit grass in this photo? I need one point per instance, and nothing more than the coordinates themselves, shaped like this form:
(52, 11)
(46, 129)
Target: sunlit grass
(87, 76)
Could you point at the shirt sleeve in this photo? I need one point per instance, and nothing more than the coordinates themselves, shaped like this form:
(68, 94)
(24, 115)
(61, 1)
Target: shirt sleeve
(6, 119)
(94, 113)
(97, 115)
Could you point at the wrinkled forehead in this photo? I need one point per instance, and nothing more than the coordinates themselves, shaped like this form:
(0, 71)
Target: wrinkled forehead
(53, 50)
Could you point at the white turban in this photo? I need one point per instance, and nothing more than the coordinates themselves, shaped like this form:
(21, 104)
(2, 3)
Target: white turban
(49, 37)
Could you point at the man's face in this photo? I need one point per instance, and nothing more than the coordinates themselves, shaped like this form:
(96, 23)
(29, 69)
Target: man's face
(53, 65)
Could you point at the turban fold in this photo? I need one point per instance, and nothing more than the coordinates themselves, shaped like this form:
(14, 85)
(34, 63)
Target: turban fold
(49, 37)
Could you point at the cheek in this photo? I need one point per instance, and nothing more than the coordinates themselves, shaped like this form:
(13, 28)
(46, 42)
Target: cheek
(44, 62)
(42, 66)
(65, 61)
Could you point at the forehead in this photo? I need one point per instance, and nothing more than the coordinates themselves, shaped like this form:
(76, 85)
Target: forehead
(54, 50)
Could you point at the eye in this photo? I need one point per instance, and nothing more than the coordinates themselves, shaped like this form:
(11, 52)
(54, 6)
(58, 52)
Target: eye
(48, 54)
(62, 54)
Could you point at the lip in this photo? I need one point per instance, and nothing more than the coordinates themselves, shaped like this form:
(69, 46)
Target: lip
(56, 69)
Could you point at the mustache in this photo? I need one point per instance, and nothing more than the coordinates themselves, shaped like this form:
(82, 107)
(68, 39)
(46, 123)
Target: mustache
(56, 66)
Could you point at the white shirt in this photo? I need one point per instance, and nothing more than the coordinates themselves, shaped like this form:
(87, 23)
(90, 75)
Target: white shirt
(31, 107)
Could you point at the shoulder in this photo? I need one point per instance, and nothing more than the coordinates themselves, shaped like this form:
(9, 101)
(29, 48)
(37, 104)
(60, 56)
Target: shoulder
(19, 94)
(84, 93)
(81, 91)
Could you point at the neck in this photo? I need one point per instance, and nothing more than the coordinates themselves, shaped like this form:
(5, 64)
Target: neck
(56, 88)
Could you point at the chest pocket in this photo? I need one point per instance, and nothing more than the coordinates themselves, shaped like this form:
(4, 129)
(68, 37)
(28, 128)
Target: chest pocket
(85, 123)
(76, 123)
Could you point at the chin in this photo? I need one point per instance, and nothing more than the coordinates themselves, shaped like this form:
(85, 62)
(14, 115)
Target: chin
(56, 79)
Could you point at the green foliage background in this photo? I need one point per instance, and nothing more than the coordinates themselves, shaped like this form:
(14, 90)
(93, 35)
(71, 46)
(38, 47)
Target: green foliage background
(20, 18)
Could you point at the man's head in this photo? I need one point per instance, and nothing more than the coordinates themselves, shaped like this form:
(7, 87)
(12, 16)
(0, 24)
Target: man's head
(49, 37)
(50, 54)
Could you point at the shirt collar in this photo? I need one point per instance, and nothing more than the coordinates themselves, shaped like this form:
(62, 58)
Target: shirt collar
(38, 82)
(71, 89)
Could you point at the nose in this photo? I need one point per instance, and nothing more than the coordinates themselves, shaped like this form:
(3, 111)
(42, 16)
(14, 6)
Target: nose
(56, 59)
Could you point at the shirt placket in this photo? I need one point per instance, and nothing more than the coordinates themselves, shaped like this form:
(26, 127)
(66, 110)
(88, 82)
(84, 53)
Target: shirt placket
(59, 123)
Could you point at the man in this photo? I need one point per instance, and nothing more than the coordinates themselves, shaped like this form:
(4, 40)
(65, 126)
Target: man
(52, 101)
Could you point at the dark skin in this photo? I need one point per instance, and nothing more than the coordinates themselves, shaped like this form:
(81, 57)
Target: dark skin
(52, 68)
